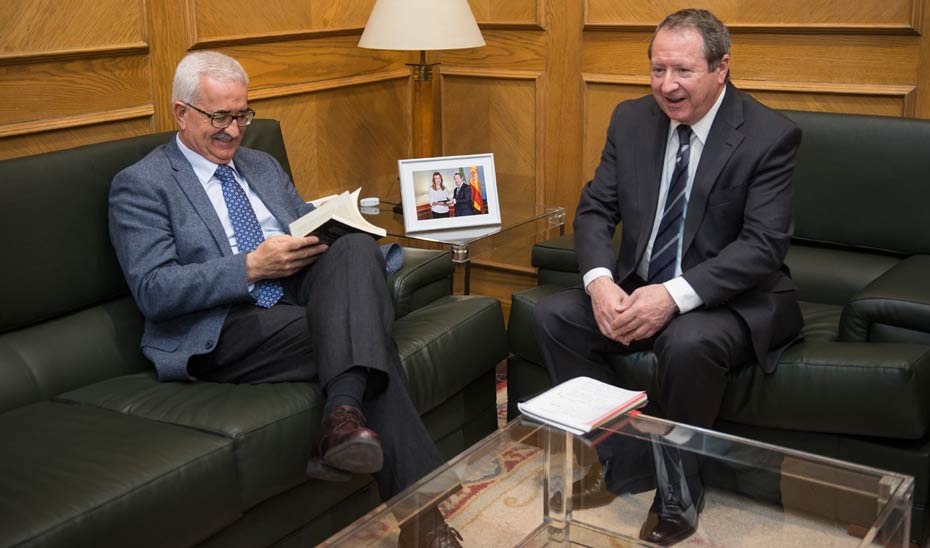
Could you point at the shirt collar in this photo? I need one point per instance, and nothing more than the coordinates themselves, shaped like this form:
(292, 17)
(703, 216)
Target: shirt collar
(701, 128)
(204, 169)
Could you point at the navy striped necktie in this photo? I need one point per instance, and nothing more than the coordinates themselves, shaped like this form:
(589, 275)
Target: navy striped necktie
(665, 248)
(248, 232)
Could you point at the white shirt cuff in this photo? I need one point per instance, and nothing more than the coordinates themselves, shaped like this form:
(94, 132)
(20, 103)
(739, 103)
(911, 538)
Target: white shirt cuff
(594, 274)
(683, 294)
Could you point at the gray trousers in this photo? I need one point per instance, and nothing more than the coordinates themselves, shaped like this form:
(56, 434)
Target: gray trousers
(335, 314)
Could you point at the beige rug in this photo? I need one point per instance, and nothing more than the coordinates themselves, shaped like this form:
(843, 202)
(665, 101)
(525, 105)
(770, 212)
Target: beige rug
(490, 512)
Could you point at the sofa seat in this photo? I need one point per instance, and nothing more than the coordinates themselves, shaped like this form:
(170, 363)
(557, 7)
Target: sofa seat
(875, 389)
(81, 476)
(273, 427)
(268, 426)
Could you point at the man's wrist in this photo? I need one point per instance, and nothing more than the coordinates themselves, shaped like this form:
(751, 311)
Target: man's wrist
(594, 274)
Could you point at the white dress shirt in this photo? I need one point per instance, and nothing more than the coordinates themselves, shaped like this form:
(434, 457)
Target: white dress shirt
(206, 173)
(681, 291)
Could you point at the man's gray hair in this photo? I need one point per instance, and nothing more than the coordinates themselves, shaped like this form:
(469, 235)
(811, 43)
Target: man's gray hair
(712, 30)
(198, 64)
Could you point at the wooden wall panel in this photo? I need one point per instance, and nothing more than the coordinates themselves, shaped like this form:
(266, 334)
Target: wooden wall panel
(495, 115)
(525, 13)
(342, 138)
(505, 50)
(72, 87)
(291, 64)
(263, 20)
(863, 15)
(39, 27)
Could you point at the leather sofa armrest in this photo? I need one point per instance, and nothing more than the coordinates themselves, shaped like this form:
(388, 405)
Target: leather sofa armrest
(557, 261)
(895, 307)
(425, 277)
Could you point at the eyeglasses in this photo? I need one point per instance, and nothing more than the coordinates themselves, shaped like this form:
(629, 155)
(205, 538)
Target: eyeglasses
(223, 120)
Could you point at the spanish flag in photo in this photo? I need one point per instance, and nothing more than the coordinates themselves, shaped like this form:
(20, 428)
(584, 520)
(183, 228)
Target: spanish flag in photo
(476, 199)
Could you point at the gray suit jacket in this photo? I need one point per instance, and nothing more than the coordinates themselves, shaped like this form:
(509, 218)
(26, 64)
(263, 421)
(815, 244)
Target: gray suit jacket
(175, 254)
(738, 224)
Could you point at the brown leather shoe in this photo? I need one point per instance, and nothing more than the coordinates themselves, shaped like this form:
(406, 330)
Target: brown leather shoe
(429, 530)
(347, 445)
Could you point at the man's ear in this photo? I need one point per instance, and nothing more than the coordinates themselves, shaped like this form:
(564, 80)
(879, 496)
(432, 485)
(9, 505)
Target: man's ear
(724, 67)
(179, 110)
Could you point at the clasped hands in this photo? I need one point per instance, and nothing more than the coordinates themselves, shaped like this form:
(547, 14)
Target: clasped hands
(282, 256)
(627, 318)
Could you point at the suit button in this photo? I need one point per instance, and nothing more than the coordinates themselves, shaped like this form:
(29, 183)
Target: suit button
(208, 345)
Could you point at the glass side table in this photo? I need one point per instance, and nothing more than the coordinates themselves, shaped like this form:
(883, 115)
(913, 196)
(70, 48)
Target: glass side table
(532, 221)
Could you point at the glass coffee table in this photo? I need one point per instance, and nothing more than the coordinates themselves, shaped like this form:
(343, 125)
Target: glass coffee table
(522, 224)
(514, 488)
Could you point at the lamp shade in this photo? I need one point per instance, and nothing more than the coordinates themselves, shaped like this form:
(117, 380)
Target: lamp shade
(421, 25)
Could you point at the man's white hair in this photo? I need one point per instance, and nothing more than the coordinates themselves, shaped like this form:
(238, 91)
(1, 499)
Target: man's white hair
(198, 64)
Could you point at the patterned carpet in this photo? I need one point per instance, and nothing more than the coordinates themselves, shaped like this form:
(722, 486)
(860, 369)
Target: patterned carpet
(490, 513)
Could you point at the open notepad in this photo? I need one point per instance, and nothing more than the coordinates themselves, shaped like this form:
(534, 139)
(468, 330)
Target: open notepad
(581, 404)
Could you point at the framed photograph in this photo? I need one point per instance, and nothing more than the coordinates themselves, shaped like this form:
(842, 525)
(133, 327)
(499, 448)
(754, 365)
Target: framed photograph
(449, 192)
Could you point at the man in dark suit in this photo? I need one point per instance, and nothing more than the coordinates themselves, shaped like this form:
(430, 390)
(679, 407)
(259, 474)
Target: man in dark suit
(700, 176)
(200, 229)
(461, 194)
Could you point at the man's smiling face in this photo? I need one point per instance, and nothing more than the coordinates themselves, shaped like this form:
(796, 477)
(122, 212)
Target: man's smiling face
(194, 128)
(682, 83)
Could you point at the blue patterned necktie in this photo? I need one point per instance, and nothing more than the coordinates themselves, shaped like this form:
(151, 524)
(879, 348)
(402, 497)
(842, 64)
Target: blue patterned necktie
(665, 248)
(248, 232)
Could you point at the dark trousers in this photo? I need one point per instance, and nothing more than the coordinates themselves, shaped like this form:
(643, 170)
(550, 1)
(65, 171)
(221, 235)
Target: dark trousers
(335, 314)
(694, 351)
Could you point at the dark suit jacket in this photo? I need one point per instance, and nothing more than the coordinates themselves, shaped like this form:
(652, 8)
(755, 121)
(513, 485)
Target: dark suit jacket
(463, 203)
(738, 224)
(175, 254)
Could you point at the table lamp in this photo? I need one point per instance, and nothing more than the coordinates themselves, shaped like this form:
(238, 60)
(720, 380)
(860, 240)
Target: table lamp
(421, 25)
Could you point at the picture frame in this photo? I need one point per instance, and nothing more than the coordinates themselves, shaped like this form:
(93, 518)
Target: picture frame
(423, 182)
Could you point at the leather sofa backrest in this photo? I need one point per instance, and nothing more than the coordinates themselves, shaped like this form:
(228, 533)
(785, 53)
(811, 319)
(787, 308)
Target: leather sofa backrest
(67, 318)
(860, 194)
(862, 181)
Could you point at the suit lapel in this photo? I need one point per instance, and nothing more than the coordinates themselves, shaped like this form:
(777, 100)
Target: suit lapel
(722, 141)
(190, 185)
(650, 153)
(270, 191)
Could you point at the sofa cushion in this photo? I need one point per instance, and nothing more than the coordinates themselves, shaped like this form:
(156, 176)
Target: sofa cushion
(274, 426)
(872, 389)
(829, 275)
(821, 321)
(74, 476)
(271, 426)
(848, 191)
(447, 344)
(90, 345)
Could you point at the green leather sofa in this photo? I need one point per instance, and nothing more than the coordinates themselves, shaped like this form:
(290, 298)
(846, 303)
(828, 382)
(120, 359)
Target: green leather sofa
(94, 452)
(857, 388)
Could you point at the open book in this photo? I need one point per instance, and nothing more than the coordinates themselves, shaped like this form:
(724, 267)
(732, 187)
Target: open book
(581, 404)
(335, 216)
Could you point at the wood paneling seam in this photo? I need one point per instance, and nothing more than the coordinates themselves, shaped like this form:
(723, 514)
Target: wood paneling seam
(108, 50)
(66, 122)
(285, 90)
(491, 73)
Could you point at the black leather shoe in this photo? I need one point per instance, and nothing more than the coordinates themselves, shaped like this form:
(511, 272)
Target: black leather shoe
(429, 530)
(670, 527)
(346, 444)
(591, 490)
